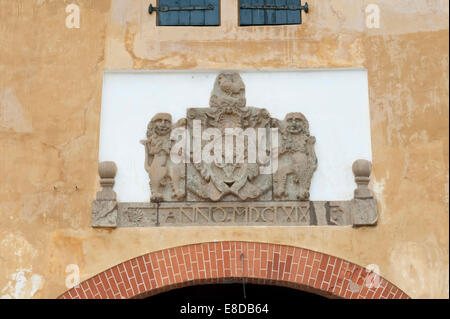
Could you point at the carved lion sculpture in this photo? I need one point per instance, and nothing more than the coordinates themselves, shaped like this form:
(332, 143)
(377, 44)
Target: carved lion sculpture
(158, 164)
(296, 157)
(228, 91)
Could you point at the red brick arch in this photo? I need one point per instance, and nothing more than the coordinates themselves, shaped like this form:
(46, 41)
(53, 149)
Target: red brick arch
(227, 262)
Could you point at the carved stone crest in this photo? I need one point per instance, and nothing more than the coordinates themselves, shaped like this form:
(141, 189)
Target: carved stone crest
(231, 164)
(232, 180)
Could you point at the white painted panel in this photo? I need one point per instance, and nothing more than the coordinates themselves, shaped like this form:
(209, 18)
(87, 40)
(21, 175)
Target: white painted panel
(334, 101)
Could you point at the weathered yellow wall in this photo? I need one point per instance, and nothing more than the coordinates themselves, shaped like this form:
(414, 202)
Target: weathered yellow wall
(50, 96)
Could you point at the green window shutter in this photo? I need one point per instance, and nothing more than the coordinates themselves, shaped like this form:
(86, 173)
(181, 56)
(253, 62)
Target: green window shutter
(270, 12)
(189, 12)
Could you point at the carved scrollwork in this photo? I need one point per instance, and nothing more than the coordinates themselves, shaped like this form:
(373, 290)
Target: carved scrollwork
(135, 215)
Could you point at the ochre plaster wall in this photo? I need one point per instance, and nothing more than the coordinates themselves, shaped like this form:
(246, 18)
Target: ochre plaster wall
(50, 96)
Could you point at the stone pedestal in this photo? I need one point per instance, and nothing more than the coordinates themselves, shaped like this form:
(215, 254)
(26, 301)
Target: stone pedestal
(104, 208)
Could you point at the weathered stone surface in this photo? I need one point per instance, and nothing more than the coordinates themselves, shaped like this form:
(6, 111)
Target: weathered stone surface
(188, 190)
(282, 213)
(364, 212)
(365, 208)
(107, 172)
(297, 159)
(235, 180)
(228, 181)
(104, 207)
(104, 213)
(167, 179)
(362, 170)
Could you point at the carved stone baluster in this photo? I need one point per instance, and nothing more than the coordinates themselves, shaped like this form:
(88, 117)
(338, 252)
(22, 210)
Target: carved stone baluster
(104, 208)
(365, 211)
(362, 170)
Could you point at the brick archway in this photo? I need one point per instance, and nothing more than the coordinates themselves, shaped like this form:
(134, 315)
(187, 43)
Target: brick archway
(227, 262)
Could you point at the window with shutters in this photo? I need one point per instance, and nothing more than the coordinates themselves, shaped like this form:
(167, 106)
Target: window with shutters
(271, 12)
(188, 12)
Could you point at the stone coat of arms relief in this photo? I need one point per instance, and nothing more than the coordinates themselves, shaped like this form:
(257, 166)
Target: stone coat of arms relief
(228, 181)
(232, 164)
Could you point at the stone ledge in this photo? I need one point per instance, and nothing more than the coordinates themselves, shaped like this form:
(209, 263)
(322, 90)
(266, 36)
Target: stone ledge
(356, 212)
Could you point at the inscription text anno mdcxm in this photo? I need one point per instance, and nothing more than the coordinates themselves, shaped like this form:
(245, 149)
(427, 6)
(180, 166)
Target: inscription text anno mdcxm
(287, 213)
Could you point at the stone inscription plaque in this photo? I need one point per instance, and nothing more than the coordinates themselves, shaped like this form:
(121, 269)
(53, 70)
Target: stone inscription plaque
(218, 214)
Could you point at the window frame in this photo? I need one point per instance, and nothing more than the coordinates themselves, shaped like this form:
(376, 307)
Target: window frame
(270, 24)
(190, 25)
